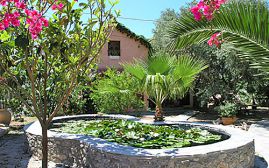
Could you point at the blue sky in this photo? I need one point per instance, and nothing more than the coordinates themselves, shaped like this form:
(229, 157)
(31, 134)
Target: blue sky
(145, 9)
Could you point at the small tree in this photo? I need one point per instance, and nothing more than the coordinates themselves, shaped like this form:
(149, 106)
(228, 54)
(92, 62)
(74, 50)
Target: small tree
(46, 56)
(165, 77)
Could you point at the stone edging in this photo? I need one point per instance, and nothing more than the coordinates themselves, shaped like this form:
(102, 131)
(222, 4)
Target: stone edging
(3, 131)
(238, 140)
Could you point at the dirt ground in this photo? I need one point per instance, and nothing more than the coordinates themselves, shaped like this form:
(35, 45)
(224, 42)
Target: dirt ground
(245, 119)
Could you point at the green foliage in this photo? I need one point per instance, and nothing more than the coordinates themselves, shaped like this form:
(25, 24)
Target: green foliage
(78, 101)
(163, 76)
(227, 110)
(8, 101)
(116, 92)
(140, 135)
(227, 76)
(160, 39)
(244, 26)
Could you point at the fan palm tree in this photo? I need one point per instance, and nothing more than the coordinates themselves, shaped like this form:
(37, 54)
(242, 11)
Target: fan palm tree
(163, 77)
(244, 25)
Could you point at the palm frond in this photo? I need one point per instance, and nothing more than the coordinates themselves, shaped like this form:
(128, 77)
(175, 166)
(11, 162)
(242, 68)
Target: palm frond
(159, 64)
(244, 24)
(137, 70)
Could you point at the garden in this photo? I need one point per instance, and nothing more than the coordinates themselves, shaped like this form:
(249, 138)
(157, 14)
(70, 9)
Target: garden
(59, 109)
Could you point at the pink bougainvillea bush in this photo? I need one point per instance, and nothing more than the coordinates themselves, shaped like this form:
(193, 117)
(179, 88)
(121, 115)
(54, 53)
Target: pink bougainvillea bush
(47, 49)
(206, 9)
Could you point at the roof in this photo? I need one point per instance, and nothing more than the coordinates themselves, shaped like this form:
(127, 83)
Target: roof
(120, 27)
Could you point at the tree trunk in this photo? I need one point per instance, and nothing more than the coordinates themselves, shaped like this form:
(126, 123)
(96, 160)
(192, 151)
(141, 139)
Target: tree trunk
(159, 113)
(44, 147)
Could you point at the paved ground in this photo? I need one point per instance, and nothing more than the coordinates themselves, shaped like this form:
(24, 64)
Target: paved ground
(3, 131)
(260, 131)
(186, 114)
(13, 152)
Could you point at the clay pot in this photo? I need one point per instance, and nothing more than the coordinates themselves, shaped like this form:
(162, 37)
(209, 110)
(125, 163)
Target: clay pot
(228, 120)
(5, 117)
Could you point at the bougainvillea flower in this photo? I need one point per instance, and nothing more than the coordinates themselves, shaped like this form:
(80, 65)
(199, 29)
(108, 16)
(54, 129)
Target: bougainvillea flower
(215, 40)
(2, 27)
(57, 6)
(20, 5)
(206, 8)
(3, 2)
(197, 15)
(35, 22)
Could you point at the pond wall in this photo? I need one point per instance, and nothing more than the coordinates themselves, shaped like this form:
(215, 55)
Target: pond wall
(79, 151)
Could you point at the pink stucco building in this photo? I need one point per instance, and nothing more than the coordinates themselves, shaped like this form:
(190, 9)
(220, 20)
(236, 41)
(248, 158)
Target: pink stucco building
(124, 46)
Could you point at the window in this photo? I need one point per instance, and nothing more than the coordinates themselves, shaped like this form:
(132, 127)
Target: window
(114, 48)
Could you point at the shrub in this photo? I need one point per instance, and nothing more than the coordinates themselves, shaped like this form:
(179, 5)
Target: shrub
(116, 92)
(227, 110)
(77, 102)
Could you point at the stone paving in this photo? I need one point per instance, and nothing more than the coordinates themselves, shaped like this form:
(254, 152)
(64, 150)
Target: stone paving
(260, 131)
(3, 131)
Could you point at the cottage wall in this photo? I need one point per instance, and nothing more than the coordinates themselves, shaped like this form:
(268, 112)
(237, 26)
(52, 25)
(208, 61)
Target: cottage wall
(130, 50)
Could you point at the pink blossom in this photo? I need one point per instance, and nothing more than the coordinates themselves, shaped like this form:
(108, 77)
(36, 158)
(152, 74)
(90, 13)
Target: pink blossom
(45, 22)
(3, 2)
(6, 22)
(201, 4)
(11, 19)
(18, 10)
(59, 6)
(196, 13)
(54, 7)
(35, 22)
(20, 5)
(215, 40)
(206, 8)
(2, 27)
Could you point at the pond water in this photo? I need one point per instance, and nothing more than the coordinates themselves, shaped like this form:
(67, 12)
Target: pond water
(140, 135)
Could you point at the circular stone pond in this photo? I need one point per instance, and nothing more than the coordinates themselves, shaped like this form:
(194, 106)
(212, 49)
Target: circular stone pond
(236, 150)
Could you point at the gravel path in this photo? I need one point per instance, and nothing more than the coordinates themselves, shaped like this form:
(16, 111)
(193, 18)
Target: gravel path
(13, 150)
(14, 154)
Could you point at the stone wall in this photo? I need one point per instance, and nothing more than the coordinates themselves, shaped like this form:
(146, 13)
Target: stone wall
(86, 152)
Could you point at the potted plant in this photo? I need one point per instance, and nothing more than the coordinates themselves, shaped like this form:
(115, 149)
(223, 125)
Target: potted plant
(5, 115)
(227, 113)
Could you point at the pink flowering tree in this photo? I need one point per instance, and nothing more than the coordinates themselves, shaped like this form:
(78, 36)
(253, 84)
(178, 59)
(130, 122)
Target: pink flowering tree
(46, 45)
(241, 25)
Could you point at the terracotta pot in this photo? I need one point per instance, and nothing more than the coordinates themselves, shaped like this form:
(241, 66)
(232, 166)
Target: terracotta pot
(5, 117)
(228, 120)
